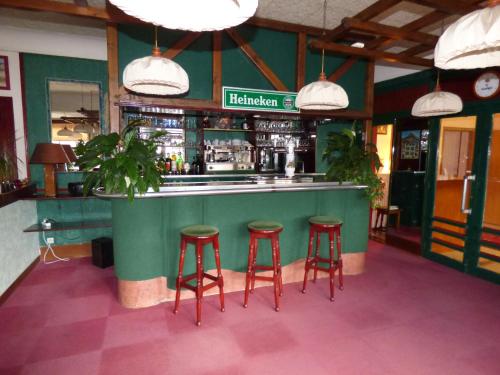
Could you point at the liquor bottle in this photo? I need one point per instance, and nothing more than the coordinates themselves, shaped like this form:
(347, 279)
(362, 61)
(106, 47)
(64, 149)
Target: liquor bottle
(174, 166)
(180, 162)
(168, 163)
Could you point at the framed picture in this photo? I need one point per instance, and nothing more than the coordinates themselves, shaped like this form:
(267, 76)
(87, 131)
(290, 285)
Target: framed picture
(4, 73)
(410, 144)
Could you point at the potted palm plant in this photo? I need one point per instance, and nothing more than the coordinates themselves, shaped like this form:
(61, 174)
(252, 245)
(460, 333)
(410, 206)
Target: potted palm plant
(351, 161)
(120, 163)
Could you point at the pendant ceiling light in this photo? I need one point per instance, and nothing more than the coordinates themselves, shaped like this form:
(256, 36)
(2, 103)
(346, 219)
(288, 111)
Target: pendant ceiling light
(322, 94)
(191, 15)
(155, 75)
(65, 132)
(437, 103)
(471, 42)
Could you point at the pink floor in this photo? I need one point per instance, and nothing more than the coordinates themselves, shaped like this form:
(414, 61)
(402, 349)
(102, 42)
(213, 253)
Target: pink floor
(405, 315)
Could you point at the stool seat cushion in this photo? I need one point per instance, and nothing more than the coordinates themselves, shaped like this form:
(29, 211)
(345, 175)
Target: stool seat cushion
(264, 225)
(200, 231)
(325, 220)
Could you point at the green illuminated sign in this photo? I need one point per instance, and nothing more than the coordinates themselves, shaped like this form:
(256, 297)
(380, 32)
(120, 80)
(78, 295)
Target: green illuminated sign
(258, 100)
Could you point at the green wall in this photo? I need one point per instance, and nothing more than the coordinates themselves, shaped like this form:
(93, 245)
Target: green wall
(38, 70)
(278, 49)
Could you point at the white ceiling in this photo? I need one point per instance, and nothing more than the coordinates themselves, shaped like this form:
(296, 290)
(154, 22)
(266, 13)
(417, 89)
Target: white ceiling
(305, 12)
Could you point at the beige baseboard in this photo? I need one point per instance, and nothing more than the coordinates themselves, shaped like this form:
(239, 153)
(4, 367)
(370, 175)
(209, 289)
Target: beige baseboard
(72, 251)
(145, 293)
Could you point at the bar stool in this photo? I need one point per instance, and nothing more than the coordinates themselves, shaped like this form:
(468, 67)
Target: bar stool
(199, 235)
(330, 225)
(264, 230)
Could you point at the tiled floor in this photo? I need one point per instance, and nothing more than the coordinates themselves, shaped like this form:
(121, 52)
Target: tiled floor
(405, 315)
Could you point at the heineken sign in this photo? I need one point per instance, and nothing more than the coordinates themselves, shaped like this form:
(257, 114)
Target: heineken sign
(258, 100)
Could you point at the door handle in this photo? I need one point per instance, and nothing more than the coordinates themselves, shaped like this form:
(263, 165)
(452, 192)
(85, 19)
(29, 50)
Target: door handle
(464, 193)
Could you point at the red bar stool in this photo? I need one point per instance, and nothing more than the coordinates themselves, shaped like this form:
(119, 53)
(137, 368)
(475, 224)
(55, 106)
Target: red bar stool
(264, 230)
(330, 225)
(199, 235)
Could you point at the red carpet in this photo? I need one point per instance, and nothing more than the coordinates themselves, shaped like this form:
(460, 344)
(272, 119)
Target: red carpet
(405, 315)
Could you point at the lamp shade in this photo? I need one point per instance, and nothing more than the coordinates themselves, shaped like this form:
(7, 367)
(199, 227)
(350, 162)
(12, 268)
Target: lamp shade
(192, 15)
(65, 132)
(155, 75)
(437, 103)
(49, 153)
(70, 153)
(322, 95)
(471, 42)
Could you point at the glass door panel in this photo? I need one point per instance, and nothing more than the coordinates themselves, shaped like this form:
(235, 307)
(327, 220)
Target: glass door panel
(454, 169)
(489, 252)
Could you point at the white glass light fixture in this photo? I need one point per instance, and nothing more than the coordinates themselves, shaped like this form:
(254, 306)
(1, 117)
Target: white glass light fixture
(471, 42)
(322, 94)
(65, 132)
(437, 103)
(155, 75)
(191, 15)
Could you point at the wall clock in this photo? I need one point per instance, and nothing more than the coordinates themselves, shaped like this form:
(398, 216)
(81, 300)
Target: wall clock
(487, 85)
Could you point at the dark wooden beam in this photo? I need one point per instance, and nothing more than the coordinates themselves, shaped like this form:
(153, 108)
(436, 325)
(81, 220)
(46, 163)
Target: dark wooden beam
(342, 69)
(114, 91)
(284, 26)
(369, 87)
(301, 60)
(366, 14)
(448, 6)
(417, 50)
(180, 45)
(341, 113)
(81, 3)
(257, 60)
(57, 7)
(217, 68)
(390, 31)
(369, 54)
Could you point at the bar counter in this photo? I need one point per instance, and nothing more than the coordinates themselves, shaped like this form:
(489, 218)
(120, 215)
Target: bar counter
(146, 232)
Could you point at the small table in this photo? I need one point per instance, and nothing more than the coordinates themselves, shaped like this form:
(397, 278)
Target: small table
(386, 211)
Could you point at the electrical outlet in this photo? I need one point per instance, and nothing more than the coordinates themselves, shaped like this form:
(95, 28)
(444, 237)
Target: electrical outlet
(50, 240)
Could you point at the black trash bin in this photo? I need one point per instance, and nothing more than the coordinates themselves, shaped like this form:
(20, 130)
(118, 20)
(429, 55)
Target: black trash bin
(102, 252)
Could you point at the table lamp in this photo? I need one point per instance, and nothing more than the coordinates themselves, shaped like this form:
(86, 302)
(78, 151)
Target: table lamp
(49, 154)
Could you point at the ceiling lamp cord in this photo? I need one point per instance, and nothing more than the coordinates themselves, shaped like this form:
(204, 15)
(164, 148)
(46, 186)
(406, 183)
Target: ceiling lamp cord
(322, 94)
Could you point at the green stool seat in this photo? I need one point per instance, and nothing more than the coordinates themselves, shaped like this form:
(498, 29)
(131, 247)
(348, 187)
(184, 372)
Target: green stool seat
(264, 225)
(325, 220)
(200, 231)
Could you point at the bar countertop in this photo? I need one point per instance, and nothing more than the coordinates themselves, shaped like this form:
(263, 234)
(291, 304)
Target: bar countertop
(203, 185)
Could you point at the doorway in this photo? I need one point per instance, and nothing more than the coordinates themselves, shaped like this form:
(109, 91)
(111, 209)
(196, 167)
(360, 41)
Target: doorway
(462, 212)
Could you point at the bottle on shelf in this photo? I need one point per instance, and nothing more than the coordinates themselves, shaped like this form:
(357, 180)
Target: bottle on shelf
(168, 164)
(180, 162)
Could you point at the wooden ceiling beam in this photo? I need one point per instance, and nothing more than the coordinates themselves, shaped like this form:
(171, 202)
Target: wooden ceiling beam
(180, 45)
(81, 3)
(284, 26)
(369, 54)
(257, 60)
(57, 7)
(449, 6)
(389, 31)
(414, 51)
(366, 14)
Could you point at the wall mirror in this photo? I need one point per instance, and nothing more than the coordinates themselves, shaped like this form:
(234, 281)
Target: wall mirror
(75, 111)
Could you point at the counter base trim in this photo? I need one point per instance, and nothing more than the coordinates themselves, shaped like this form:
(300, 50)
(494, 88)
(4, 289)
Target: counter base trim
(145, 293)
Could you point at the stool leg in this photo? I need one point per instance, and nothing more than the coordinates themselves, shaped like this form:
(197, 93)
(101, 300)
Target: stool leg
(254, 262)
(199, 281)
(250, 268)
(179, 276)
(308, 259)
(275, 274)
(332, 264)
(278, 250)
(220, 280)
(318, 245)
(339, 259)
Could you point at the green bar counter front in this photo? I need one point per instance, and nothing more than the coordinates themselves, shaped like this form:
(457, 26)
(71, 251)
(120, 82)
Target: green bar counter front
(146, 232)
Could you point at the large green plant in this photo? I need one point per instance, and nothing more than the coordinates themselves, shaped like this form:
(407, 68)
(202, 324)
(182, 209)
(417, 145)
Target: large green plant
(350, 161)
(120, 163)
